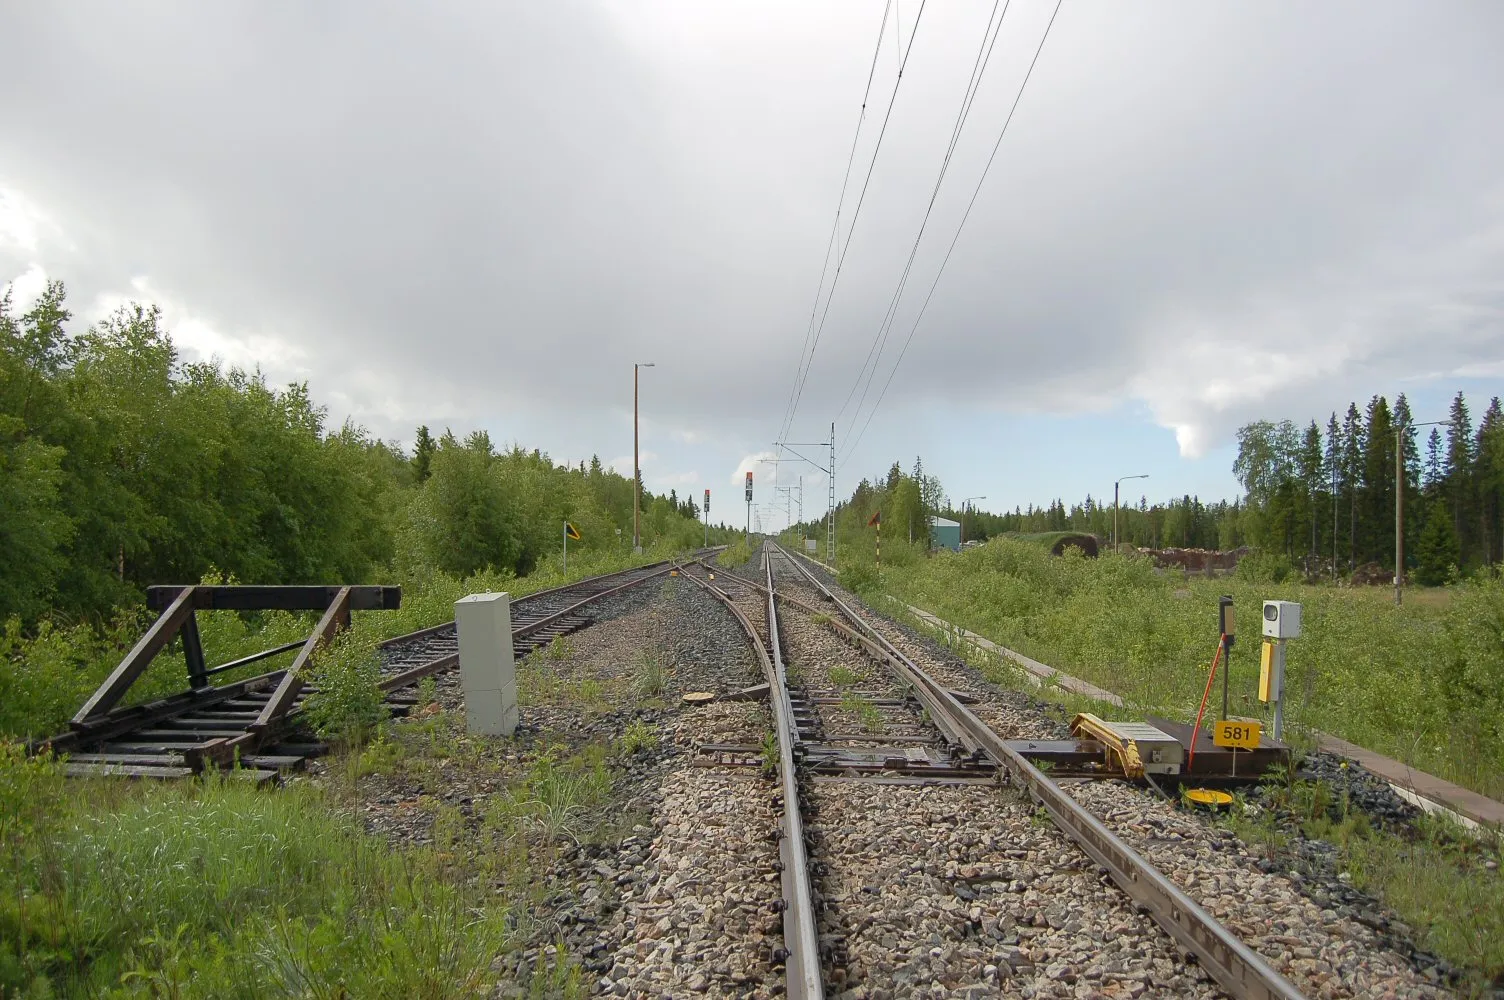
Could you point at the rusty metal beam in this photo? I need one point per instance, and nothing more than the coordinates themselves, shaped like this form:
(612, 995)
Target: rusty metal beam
(1238, 969)
(137, 660)
(336, 617)
(276, 598)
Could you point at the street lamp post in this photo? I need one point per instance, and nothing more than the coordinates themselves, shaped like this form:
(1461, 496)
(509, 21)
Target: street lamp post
(636, 466)
(964, 504)
(1115, 506)
(1399, 504)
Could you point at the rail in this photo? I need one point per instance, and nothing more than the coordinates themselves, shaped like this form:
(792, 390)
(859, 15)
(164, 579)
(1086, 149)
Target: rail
(801, 942)
(1237, 968)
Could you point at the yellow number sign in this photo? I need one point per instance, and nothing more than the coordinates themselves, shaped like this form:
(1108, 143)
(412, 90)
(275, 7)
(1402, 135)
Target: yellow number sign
(1238, 733)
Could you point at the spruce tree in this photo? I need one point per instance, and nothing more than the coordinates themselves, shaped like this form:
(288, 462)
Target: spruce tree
(1354, 438)
(423, 450)
(1376, 512)
(1488, 457)
(1436, 552)
(1460, 470)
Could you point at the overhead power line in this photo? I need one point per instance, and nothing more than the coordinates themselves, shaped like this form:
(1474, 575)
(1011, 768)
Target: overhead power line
(965, 216)
(855, 216)
(990, 34)
(835, 226)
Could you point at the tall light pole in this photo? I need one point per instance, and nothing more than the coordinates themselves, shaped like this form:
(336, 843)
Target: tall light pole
(963, 516)
(636, 467)
(1115, 506)
(1399, 503)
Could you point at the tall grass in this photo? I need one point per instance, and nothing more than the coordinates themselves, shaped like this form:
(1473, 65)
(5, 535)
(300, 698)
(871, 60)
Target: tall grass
(215, 889)
(737, 554)
(1423, 683)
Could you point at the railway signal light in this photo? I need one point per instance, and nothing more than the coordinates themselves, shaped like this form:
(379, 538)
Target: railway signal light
(1281, 622)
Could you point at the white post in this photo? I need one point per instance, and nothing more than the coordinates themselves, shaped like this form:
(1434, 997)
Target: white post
(566, 549)
(487, 669)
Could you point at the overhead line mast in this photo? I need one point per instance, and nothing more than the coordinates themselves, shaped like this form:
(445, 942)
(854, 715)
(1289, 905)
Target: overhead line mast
(830, 484)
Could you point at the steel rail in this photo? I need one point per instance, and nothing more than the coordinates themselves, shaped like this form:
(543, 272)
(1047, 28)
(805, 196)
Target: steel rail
(951, 728)
(424, 633)
(801, 942)
(1238, 969)
(449, 660)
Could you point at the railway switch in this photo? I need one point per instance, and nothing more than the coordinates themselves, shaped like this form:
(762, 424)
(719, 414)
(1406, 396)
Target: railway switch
(1136, 747)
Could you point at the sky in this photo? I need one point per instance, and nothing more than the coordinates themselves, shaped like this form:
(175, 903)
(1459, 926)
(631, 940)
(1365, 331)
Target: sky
(481, 215)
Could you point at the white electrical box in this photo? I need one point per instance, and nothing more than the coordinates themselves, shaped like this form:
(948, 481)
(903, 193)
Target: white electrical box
(1281, 620)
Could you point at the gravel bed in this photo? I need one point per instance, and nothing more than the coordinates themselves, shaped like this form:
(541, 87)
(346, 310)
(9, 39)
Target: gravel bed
(1327, 950)
(697, 886)
(657, 797)
(957, 891)
(1329, 938)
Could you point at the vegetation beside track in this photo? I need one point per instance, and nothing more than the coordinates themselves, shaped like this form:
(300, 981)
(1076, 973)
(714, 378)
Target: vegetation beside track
(1436, 877)
(216, 889)
(1423, 683)
(124, 466)
(737, 554)
(46, 676)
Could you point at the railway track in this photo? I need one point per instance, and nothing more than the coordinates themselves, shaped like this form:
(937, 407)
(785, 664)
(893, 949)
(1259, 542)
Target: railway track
(878, 762)
(181, 735)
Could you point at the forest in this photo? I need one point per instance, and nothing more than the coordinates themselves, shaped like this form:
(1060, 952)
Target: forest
(1321, 498)
(121, 466)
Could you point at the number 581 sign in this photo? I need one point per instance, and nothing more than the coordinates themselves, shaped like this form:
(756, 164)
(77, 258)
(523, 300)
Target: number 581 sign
(1240, 733)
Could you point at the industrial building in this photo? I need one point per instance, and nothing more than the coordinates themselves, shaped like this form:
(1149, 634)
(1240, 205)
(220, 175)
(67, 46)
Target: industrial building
(945, 533)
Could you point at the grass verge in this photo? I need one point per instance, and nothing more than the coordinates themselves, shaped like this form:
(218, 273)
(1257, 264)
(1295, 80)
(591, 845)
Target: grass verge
(1443, 883)
(216, 889)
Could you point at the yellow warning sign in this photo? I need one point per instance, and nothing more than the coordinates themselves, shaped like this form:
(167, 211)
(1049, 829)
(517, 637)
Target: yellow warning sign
(1241, 733)
(571, 532)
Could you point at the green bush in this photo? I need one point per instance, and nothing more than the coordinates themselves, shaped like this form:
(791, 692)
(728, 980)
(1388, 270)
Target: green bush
(348, 703)
(1265, 567)
(736, 554)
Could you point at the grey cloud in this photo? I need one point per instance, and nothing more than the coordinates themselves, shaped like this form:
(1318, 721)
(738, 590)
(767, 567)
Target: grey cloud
(439, 206)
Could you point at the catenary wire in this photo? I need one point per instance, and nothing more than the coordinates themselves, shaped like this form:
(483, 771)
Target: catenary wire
(973, 85)
(856, 213)
(835, 228)
(997, 145)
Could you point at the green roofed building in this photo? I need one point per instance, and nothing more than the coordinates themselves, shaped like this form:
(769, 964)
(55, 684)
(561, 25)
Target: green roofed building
(945, 533)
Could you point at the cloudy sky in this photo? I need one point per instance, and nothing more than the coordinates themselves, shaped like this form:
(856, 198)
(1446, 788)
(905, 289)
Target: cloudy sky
(481, 215)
